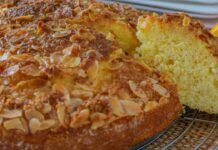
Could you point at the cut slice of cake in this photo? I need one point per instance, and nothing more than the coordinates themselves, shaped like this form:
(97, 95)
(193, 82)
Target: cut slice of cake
(183, 49)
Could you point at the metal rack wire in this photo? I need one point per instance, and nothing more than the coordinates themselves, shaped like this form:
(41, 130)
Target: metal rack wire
(194, 130)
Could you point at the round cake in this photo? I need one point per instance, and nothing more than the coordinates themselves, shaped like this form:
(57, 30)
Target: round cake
(67, 82)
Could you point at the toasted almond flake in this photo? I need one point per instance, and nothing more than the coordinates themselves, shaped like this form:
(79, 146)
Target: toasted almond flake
(93, 70)
(97, 124)
(4, 56)
(150, 105)
(57, 87)
(47, 124)
(110, 36)
(40, 27)
(71, 62)
(82, 73)
(25, 126)
(114, 65)
(82, 93)
(73, 104)
(116, 107)
(11, 113)
(80, 119)
(153, 81)
(32, 113)
(161, 90)
(86, 35)
(61, 114)
(14, 124)
(83, 87)
(98, 120)
(46, 108)
(98, 116)
(92, 52)
(2, 87)
(42, 61)
(186, 21)
(10, 71)
(143, 83)
(163, 100)
(77, 9)
(1, 121)
(62, 34)
(131, 108)
(34, 125)
(27, 17)
(31, 70)
(123, 94)
(56, 58)
(136, 90)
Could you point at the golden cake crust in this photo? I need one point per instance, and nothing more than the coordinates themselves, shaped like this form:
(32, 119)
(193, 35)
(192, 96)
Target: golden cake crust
(119, 135)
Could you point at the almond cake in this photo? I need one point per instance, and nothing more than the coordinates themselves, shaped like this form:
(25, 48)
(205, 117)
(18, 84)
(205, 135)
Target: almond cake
(67, 81)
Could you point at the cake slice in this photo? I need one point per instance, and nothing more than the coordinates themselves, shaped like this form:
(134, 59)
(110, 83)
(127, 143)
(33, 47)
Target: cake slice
(181, 47)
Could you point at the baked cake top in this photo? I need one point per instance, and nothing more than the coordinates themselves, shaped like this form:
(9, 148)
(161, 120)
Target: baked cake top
(58, 72)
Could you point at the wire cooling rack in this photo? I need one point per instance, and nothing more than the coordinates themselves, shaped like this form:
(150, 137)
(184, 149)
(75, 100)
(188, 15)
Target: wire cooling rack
(194, 130)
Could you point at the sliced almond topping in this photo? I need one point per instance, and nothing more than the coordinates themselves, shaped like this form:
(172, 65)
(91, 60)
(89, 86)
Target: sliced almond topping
(82, 93)
(161, 90)
(61, 114)
(143, 83)
(62, 89)
(186, 21)
(4, 56)
(14, 124)
(32, 113)
(27, 17)
(70, 62)
(115, 64)
(2, 87)
(10, 71)
(46, 108)
(47, 124)
(80, 119)
(163, 100)
(31, 70)
(82, 73)
(131, 107)
(153, 81)
(11, 113)
(116, 107)
(1, 121)
(150, 105)
(98, 120)
(62, 34)
(97, 124)
(25, 126)
(136, 90)
(83, 87)
(110, 36)
(98, 116)
(73, 104)
(93, 71)
(34, 125)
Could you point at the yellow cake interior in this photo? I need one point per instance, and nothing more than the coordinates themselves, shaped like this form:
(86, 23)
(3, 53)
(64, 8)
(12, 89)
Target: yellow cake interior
(174, 49)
